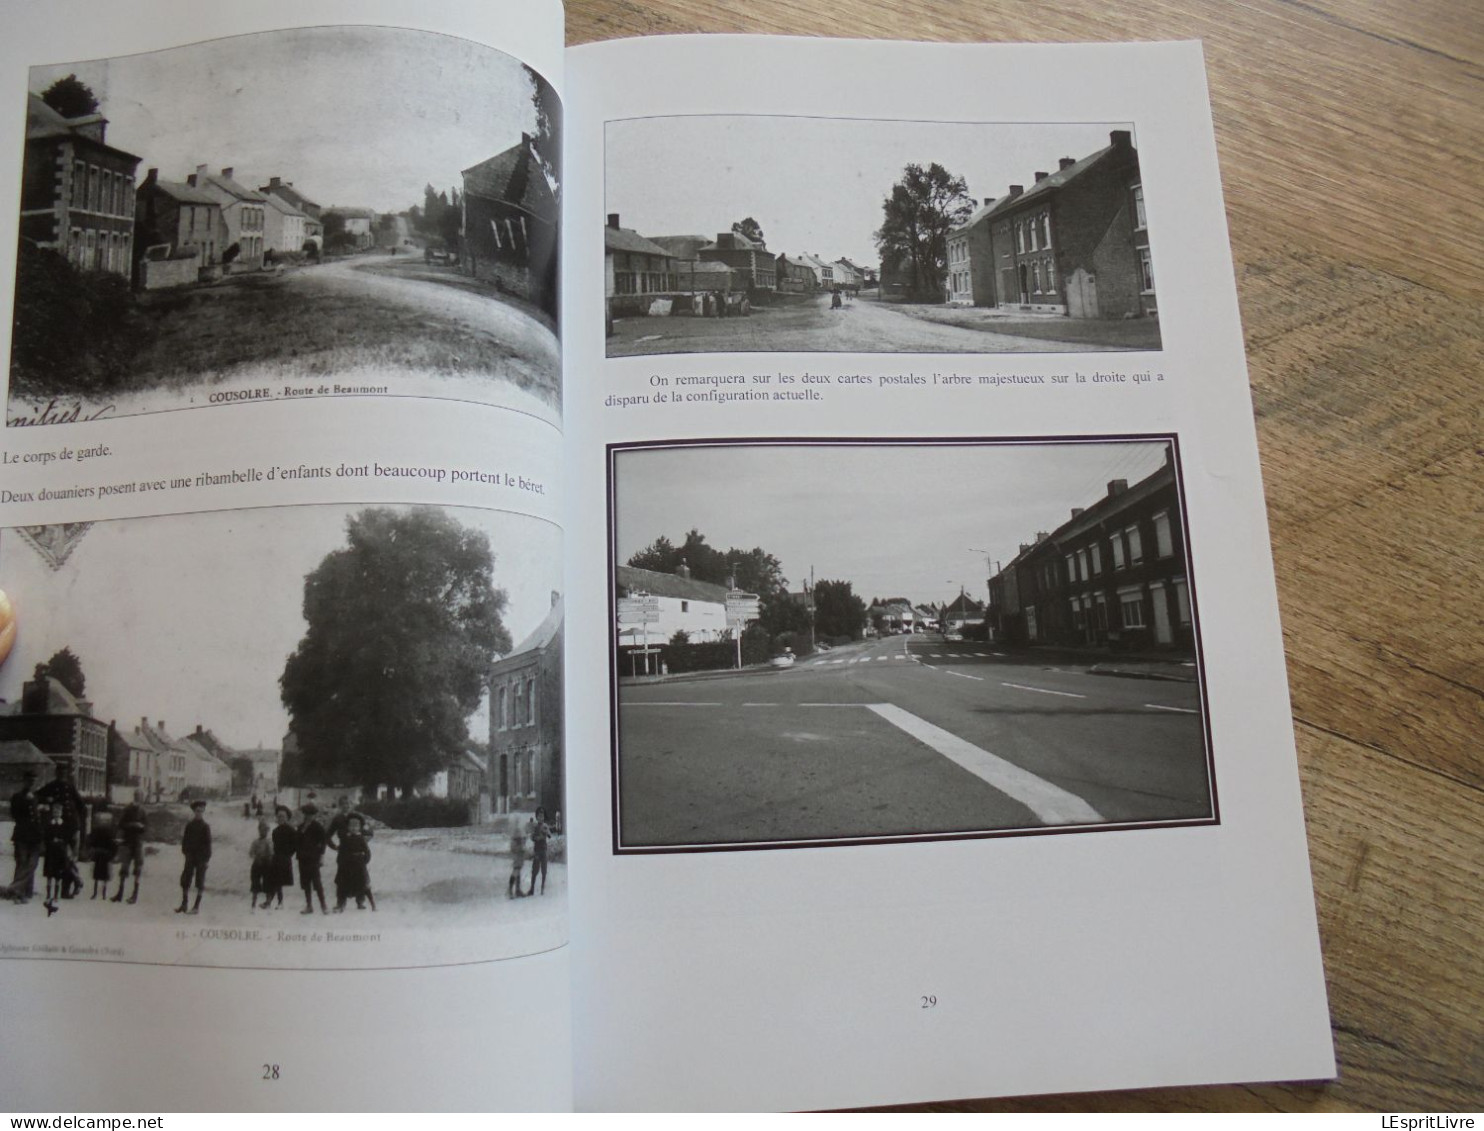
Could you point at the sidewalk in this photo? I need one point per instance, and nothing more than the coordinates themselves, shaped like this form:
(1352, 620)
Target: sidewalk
(1128, 665)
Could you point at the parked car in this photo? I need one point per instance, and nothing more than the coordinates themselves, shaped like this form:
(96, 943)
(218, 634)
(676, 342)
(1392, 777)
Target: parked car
(784, 659)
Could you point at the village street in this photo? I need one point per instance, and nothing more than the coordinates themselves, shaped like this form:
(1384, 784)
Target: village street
(862, 325)
(422, 879)
(905, 735)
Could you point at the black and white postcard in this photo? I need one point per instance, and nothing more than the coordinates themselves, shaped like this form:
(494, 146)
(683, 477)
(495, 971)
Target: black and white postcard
(306, 737)
(328, 211)
(755, 233)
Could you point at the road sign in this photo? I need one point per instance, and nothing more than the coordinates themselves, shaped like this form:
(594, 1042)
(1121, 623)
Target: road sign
(742, 607)
(640, 609)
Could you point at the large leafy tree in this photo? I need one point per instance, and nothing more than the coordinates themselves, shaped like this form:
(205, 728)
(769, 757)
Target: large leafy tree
(71, 97)
(66, 669)
(404, 622)
(548, 137)
(837, 610)
(924, 206)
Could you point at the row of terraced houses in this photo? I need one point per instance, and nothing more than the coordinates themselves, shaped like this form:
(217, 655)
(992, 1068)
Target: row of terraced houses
(1075, 242)
(81, 198)
(1114, 575)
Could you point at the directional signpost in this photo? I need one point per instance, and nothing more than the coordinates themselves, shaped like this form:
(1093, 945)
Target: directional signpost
(644, 610)
(742, 607)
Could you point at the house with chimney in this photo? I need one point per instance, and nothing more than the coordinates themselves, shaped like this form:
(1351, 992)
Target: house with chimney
(133, 764)
(1075, 242)
(61, 726)
(178, 228)
(77, 191)
(510, 208)
(1114, 576)
(697, 608)
(285, 227)
(824, 273)
(244, 221)
(795, 277)
(633, 269)
(357, 226)
(524, 768)
(749, 259)
(314, 227)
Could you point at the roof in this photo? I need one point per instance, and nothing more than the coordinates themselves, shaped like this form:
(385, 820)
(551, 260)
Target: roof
(736, 241)
(19, 752)
(515, 177)
(543, 633)
(232, 187)
(287, 192)
(186, 194)
(963, 603)
(278, 204)
(1048, 183)
(702, 267)
(626, 239)
(352, 213)
(1112, 504)
(43, 122)
(681, 247)
(659, 584)
(817, 264)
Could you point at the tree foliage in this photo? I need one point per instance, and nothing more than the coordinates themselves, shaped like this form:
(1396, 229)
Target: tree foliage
(924, 206)
(404, 622)
(754, 571)
(749, 228)
(837, 610)
(71, 97)
(548, 138)
(66, 669)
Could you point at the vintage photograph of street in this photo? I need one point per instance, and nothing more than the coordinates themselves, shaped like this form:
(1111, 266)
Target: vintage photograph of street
(305, 737)
(736, 233)
(331, 211)
(824, 642)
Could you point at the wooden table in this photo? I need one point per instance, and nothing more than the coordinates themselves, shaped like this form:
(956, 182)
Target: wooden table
(1353, 166)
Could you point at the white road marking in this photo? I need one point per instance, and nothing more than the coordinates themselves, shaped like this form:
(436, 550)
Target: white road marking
(666, 703)
(1043, 690)
(999, 654)
(961, 675)
(936, 655)
(981, 655)
(759, 704)
(1162, 707)
(1050, 803)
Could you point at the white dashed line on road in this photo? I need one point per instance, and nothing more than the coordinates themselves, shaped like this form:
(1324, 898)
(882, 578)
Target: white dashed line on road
(962, 675)
(1043, 690)
(675, 703)
(1050, 803)
(1162, 707)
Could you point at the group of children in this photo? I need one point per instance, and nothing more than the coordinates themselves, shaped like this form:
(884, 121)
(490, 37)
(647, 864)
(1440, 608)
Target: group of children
(274, 853)
(104, 845)
(537, 833)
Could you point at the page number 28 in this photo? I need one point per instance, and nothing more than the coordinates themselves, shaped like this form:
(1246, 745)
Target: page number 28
(270, 1072)
(928, 1001)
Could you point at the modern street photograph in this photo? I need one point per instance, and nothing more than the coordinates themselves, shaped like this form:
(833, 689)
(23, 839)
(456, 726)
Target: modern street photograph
(318, 725)
(328, 211)
(935, 639)
(870, 236)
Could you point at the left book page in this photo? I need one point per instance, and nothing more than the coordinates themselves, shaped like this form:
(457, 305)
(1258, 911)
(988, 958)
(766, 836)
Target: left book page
(281, 765)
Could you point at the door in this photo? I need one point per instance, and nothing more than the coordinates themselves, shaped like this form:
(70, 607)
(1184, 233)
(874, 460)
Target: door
(1162, 634)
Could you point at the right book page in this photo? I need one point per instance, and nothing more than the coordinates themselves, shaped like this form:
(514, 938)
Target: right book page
(929, 730)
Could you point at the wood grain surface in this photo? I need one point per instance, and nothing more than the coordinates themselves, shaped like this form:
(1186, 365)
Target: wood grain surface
(1352, 161)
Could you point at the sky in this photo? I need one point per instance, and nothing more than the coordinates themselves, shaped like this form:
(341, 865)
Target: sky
(357, 116)
(815, 185)
(894, 520)
(189, 618)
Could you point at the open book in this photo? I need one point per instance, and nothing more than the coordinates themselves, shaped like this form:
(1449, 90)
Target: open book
(816, 647)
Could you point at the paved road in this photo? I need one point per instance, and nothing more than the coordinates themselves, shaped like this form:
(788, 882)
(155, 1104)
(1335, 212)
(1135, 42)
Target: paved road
(901, 736)
(861, 326)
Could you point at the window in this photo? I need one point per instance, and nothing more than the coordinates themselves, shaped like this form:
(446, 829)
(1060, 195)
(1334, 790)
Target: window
(1019, 237)
(532, 717)
(1082, 564)
(500, 709)
(1163, 544)
(1135, 545)
(1102, 613)
(1117, 543)
(79, 196)
(1035, 278)
(1131, 608)
(685, 606)
(1035, 235)
(1182, 600)
(1139, 222)
(1046, 229)
(1078, 619)
(1097, 558)
(1050, 278)
(1071, 568)
(1146, 271)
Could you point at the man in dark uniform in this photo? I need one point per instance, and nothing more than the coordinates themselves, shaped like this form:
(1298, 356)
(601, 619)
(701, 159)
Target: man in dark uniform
(131, 845)
(61, 795)
(26, 837)
(195, 846)
(339, 826)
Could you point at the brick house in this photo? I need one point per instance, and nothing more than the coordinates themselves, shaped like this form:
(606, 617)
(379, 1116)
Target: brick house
(795, 276)
(509, 224)
(748, 258)
(314, 227)
(1114, 575)
(971, 260)
(525, 728)
(634, 266)
(63, 727)
(1075, 242)
(77, 191)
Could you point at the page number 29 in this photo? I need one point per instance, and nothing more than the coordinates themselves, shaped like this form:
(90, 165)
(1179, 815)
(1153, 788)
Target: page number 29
(270, 1072)
(929, 1001)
